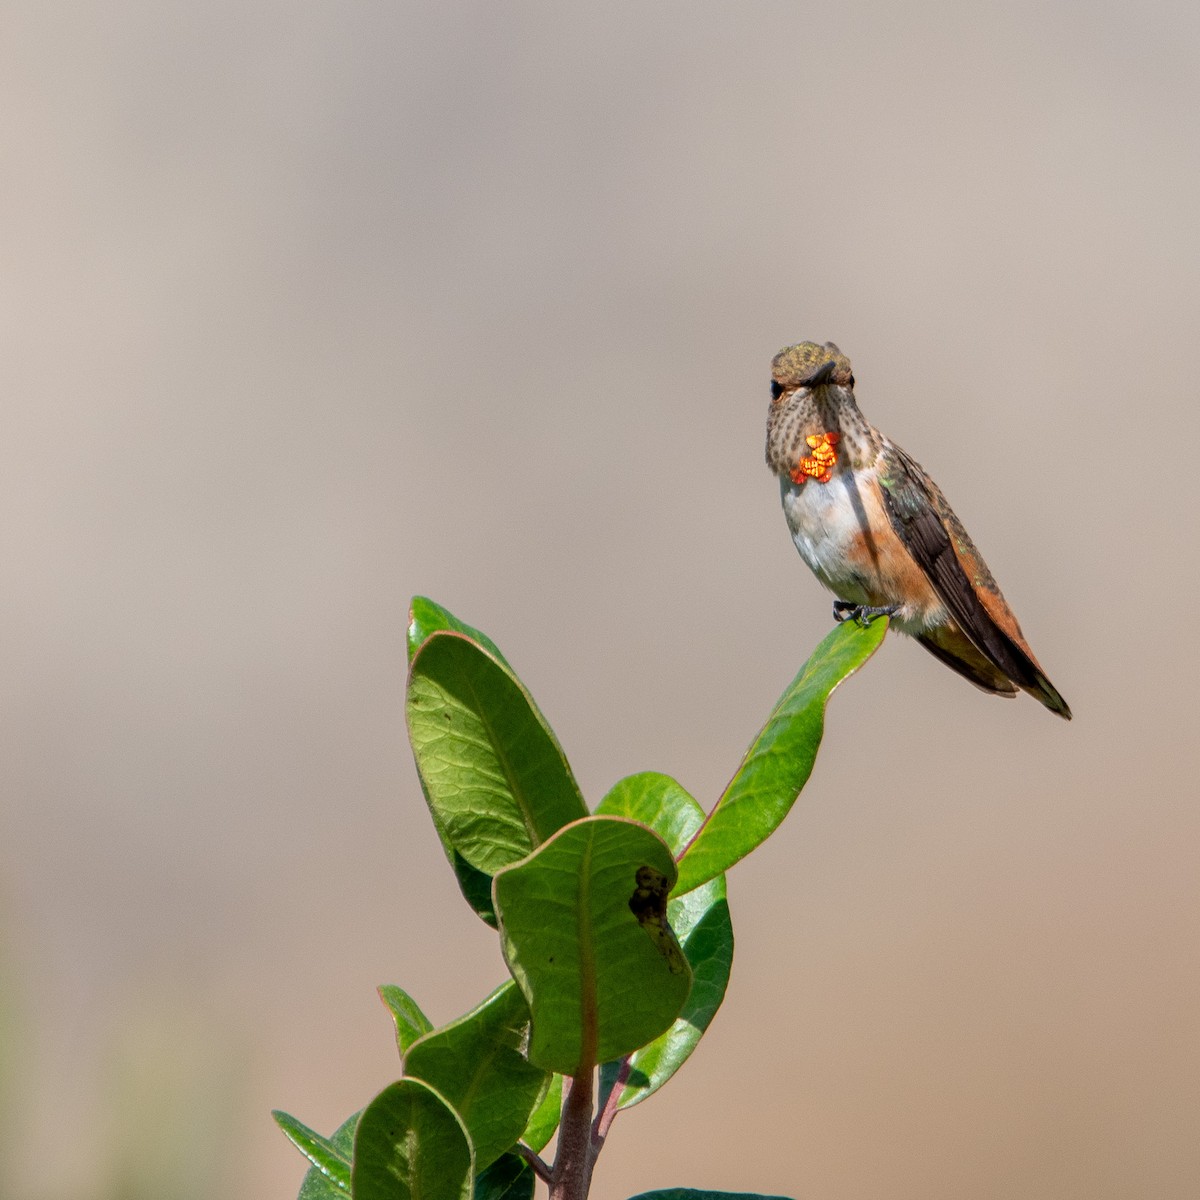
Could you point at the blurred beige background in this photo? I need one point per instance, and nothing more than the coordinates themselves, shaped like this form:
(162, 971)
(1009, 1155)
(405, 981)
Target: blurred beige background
(308, 307)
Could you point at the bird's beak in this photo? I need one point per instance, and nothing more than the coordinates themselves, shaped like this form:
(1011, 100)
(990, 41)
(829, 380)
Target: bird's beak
(821, 375)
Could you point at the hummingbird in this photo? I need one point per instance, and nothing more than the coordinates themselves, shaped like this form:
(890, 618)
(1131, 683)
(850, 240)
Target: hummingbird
(877, 531)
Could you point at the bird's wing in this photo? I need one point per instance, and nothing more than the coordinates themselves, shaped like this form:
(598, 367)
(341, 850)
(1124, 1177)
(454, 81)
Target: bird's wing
(934, 536)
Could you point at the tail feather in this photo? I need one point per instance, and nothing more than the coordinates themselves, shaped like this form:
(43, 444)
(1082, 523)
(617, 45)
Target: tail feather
(971, 665)
(960, 654)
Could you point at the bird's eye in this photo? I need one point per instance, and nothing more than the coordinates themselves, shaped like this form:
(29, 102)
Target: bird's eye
(776, 389)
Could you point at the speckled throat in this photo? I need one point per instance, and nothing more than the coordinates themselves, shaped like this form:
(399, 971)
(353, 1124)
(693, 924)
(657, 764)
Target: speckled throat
(826, 409)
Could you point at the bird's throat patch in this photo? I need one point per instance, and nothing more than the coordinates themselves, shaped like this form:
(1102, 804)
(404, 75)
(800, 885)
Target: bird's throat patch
(824, 458)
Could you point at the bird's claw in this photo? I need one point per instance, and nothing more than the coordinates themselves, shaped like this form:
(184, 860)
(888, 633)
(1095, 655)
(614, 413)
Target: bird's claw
(862, 614)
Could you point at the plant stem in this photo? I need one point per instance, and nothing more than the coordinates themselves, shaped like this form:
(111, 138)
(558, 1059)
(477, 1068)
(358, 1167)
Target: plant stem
(571, 1178)
(608, 1105)
(540, 1169)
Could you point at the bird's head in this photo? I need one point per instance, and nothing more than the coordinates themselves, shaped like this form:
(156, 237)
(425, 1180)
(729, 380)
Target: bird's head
(812, 385)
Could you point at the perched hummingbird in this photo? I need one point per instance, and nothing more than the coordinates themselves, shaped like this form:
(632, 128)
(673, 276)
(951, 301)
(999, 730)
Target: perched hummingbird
(877, 531)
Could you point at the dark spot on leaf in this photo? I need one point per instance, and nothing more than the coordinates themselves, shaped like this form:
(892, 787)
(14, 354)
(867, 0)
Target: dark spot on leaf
(649, 905)
(649, 899)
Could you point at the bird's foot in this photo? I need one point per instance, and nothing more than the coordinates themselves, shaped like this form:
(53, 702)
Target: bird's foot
(862, 614)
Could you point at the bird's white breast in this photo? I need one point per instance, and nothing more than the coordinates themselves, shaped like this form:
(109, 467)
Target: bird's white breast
(830, 524)
(827, 521)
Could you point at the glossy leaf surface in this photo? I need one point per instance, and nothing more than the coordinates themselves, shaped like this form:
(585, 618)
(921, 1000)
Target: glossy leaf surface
(476, 1065)
(600, 981)
(659, 801)
(426, 617)
(544, 1120)
(411, 1023)
(701, 922)
(330, 1157)
(779, 760)
(496, 779)
(510, 1177)
(475, 885)
(410, 1145)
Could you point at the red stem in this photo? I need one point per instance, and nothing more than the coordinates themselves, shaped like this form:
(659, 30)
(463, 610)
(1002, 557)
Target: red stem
(540, 1167)
(604, 1118)
(577, 1149)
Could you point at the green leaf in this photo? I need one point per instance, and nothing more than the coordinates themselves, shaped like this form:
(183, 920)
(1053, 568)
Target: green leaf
(411, 1022)
(426, 617)
(496, 779)
(316, 1186)
(510, 1177)
(476, 886)
(779, 760)
(410, 1145)
(700, 920)
(329, 1177)
(477, 1065)
(658, 801)
(701, 1194)
(544, 1120)
(327, 1159)
(600, 980)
